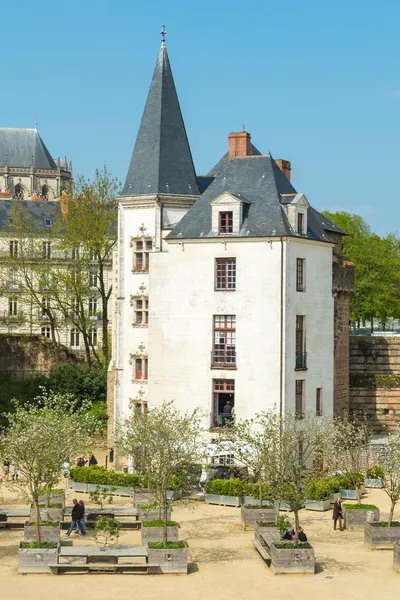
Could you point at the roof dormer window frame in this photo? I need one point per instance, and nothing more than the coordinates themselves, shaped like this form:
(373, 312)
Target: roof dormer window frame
(228, 214)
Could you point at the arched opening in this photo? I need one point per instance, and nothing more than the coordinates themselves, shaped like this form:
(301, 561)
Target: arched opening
(19, 192)
(45, 193)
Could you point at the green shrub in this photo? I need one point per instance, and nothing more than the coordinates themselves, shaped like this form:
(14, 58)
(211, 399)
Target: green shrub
(44, 524)
(39, 545)
(226, 487)
(52, 492)
(147, 506)
(167, 546)
(100, 475)
(262, 524)
(351, 480)
(375, 472)
(253, 490)
(317, 490)
(159, 523)
(282, 523)
(360, 506)
(385, 524)
(292, 546)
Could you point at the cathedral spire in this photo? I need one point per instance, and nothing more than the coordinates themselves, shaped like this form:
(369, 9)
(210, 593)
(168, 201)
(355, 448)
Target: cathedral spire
(161, 161)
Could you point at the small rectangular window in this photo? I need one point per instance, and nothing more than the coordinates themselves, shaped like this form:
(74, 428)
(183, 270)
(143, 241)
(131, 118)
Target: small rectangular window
(46, 249)
(318, 402)
(226, 222)
(225, 274)
(74, 338)
(92, 307)
(141, 261)
(46, 332)
(93, 337)
(299, 408)
(300, 223)
(12, 307)
(141, 368)
(300, 279)
(47, 222)
(14, 248)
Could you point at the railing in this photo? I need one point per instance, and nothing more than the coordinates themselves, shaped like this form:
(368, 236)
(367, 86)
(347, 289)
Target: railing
(222, 358)
(222, 420)
(301, 361)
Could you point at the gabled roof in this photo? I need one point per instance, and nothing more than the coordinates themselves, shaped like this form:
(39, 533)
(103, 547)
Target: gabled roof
(23, 145)
(39, 211)
(221, 164)
(261, 182)
(161, 161)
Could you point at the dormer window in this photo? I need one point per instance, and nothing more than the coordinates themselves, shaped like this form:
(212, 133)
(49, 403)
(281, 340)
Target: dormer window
(296, 207)
(300, 223)
(226, 222)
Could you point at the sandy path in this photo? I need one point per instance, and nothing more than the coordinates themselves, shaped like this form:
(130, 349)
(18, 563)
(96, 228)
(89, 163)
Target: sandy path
(226, 566)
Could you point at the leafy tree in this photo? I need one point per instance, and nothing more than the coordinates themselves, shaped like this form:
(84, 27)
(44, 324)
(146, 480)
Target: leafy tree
(80, 381)
(102, 495)
(40, 437)
(390, 462)
(106, 529)
(163, 443)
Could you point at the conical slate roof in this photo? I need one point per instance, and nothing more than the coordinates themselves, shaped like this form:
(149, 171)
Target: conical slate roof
(20, 146)
(161, 161)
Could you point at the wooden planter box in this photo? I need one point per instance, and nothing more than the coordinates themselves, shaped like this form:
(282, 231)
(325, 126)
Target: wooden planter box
(120, 490)
(48, 514)
(54, 499)
(153, 514)
(36, 560)
(288, 560)
(174, 494)
(250, 501)
(286, 506)
(396, 557)
(320, 505)
(224, 500)
(168, 561)
(356, 518)
(332, 497)
(155, 534)
(248, 516)
(380, 538)
(259, 530)
(373, 483)
(47, 533)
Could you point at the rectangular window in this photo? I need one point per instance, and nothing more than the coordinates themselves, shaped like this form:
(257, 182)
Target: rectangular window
(12, 278)
(12, 307)
(140, 408)
(46, 332)
(93, 337)
(142, 255)
(301, 357)
(300, 279)
(45, 306)
(46, 249)
(225, 273)
(74, 338)
(223, 413)
(14, 248)
(300, 223)
(318, 402)
(224, 350)
(92, 307)
(75, 253)
(226, 222)
(299, 409)
(93, 255)
(141, 369)
(141, 312)
(92, 279)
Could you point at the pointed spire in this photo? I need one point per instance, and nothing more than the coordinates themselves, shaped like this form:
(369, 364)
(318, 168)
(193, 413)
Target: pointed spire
(161, 161)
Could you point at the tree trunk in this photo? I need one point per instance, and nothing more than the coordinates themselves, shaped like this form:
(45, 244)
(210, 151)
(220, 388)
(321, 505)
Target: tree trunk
(165, 528)
(37, 524)
(392, 506)
(260, 493)
(296, 524)
(87, 350)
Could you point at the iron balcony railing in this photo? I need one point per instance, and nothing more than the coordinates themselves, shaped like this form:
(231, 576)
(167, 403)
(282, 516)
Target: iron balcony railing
(223, 358)
(301, 360)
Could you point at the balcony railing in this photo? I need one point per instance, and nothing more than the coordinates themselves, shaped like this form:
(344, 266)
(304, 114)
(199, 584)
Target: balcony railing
(220, 420)
(301, 361)
(223, 358)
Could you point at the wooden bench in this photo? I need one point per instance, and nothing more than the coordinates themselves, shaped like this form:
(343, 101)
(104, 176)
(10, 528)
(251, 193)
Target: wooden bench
(98, 561)
(128, 525)
(263, 545)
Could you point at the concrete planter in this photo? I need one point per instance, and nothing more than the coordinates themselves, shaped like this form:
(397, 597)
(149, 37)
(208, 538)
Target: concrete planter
(332, 497)
(153, 514)
(259, 530)
(373, 483)
(349, 494)
(250, 501)
(36, 560)
(285, 506)
(224, 500)
(288, 560)
(120, 490)
(48, 533)
(174, 494)
(396, 557)
(320, 505)
(356, 518)
(380, 538)
(168, 560)
(155, 534)
(249, 516)
(48, 514)
(53, 499)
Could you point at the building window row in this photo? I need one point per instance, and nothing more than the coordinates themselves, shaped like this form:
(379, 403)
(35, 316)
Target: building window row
(75, 338)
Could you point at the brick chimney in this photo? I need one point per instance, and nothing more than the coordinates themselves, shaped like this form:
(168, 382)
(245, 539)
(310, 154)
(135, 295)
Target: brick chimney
(284, 166)
(239, 144)
(64, 204)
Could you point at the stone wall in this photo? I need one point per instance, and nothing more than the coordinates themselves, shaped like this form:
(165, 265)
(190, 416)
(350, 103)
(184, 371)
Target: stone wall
(343, 287)
(24, 356)
(375, 380)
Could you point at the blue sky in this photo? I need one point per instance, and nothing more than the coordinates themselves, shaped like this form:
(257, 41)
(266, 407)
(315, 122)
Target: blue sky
(316, 83)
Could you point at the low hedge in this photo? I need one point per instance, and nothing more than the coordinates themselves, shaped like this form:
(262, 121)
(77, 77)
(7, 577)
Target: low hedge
(385, 524)
(167, 546)
(44, 524)
(360, 507)
(375, 472)
(100, 476)
(48, 545)
(159, 523)
(226, 487)
(351, 480)
(292, 545)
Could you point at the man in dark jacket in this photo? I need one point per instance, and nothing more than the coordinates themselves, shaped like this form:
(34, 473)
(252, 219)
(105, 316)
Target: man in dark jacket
(337, 514)
(77, 515)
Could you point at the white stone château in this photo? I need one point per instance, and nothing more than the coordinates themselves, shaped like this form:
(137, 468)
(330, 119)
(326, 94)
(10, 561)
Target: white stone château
(224, 296)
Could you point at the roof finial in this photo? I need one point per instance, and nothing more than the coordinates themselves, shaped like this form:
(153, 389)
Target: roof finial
(244, 129)
(163, 34)
(36, 123)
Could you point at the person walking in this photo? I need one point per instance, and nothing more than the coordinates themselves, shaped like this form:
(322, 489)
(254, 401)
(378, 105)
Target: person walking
(337, 514)
(92, 461)
(77, 515)
(6, 468)
(81, 502)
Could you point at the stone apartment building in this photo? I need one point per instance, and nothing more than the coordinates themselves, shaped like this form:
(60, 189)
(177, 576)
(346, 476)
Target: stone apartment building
(227, 284)
(30, 177)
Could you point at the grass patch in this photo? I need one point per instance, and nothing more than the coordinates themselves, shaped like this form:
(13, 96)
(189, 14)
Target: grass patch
(360, 506)
(167, 546)
(292, 546)
(159, 523)
(51, 505)
(385, 524)
(262, 524)
(51, 492)
(47, 545)
(44, 524)
(148, 506)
